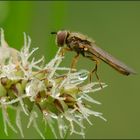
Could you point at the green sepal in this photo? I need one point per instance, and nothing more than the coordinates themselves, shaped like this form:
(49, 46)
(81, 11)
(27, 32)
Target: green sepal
(48, 104)
(29, 105)
(2, 90)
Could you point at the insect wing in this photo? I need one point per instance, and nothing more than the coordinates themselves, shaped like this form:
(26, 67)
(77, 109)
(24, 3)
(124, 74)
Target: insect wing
(109, 59)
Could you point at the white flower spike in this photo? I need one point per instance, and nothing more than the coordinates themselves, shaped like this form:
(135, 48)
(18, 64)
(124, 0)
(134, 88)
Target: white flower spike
(26, 84)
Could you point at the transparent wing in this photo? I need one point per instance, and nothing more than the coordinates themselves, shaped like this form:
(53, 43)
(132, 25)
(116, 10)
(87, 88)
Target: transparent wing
(109, 59)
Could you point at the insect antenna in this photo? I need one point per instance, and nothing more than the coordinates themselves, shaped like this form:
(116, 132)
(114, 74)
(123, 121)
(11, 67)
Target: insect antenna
(53, 33)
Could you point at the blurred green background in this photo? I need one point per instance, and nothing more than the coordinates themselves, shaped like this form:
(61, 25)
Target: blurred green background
(116, 28)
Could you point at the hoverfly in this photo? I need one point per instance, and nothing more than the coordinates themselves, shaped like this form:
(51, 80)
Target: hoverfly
(87, 47)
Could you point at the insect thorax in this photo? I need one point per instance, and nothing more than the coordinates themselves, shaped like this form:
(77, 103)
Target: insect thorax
(77, 41)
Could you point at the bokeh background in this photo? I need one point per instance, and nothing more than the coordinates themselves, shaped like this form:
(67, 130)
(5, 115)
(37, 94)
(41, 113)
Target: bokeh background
(116, 28)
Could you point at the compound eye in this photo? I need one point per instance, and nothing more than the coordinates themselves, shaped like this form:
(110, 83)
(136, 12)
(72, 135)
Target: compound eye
(61, 38)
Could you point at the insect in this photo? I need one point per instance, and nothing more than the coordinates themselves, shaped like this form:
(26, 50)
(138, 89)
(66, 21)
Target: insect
(87, 47)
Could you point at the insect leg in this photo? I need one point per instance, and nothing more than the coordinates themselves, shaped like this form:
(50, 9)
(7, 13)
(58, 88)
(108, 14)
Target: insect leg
(74, 61)
(95, 71)
(64, 50)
